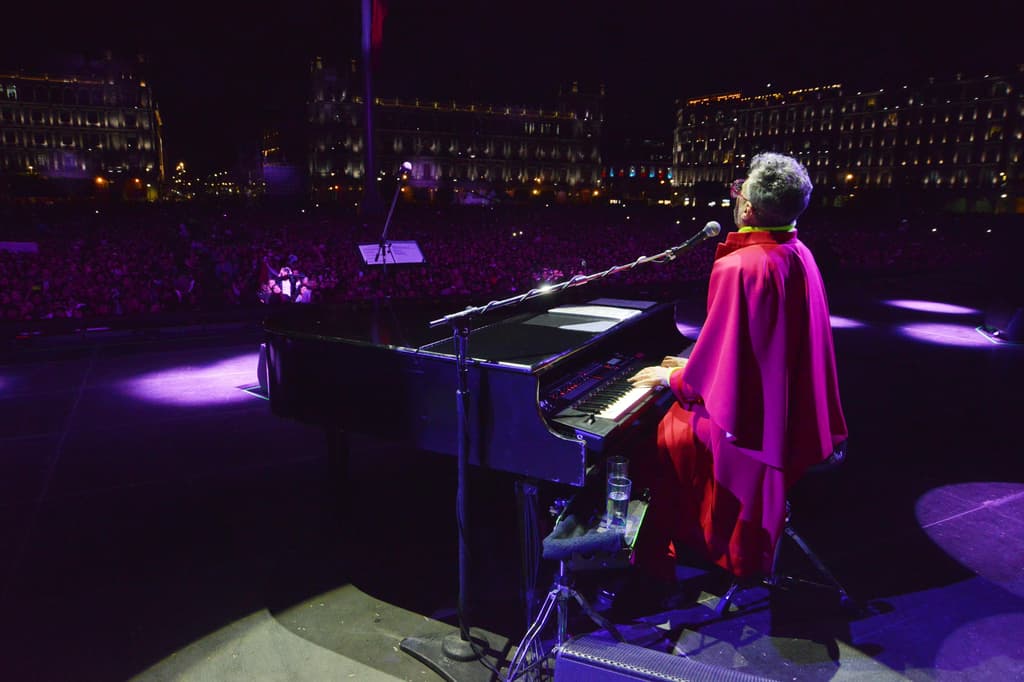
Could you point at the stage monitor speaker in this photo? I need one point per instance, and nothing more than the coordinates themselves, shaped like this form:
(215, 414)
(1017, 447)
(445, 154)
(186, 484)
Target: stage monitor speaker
(591, 659)
(1005, 321)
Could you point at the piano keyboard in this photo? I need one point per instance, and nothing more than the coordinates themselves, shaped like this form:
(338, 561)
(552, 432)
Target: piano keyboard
(616, 399)
(594, 403)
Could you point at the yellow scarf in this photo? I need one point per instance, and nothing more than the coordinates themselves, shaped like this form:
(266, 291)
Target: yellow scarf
(781, 228)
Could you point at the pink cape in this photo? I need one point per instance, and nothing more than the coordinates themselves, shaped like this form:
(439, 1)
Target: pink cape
(759, 404)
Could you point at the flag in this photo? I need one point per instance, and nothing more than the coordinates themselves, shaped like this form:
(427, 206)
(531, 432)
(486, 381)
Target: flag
(378, 14)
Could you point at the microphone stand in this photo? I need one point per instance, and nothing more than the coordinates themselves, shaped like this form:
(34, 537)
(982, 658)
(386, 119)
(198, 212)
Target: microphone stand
(467, 646)
(384, 247)
(383, 250)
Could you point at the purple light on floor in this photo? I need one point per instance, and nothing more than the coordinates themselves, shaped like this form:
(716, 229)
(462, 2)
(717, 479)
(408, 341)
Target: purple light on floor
(845, 322)
(962, 335)
(977, 524)
(690, 331)
(214, 383)
(983, 649)
(931, 307)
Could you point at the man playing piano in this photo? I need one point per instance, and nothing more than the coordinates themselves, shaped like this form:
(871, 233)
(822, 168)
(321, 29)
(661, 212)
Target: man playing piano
(757, 402)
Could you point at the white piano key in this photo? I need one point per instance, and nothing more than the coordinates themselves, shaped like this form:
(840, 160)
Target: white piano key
(625, 402)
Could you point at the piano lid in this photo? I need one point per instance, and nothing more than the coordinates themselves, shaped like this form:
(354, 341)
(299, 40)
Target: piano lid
(528, 340)
(532, 340)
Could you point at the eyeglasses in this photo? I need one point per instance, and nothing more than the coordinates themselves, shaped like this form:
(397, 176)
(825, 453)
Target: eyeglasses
(736, 189)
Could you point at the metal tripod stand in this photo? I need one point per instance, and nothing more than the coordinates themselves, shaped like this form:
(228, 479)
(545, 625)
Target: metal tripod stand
(528, 654)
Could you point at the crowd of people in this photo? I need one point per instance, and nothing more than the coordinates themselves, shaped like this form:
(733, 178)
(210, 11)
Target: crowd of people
(130, 261)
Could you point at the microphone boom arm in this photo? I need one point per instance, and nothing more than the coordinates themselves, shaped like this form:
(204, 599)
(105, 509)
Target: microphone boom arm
(384, 246)
(710, 230)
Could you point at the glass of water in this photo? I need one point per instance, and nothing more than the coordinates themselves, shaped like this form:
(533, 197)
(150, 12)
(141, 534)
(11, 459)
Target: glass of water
(619, 490)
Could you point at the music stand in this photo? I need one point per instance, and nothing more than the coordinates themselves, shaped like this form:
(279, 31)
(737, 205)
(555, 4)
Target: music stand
(397, 252)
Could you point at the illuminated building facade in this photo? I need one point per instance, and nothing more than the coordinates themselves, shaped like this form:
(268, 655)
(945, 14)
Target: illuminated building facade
(640, 173)
(77, 134)
(955, 144)
(454, 147)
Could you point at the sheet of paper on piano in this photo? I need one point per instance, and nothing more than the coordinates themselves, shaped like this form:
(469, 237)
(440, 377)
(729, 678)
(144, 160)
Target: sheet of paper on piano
(585, 318)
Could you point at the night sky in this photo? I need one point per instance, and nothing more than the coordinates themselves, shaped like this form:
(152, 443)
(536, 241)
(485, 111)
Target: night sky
(224, 71)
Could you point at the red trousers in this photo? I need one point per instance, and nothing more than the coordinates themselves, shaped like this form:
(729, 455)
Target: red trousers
(708, 496)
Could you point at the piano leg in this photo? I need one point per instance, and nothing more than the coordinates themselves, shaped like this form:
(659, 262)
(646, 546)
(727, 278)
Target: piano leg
(529, 544)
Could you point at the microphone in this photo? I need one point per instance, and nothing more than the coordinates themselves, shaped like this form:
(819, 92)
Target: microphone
(710, 230)
(406, 167)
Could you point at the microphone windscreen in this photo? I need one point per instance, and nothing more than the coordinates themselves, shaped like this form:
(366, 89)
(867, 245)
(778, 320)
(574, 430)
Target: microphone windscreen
(712, 228)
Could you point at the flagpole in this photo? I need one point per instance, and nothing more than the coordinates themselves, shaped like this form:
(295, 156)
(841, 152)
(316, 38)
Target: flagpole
(371, 204)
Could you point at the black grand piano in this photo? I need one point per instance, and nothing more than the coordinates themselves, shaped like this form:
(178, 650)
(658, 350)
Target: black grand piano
(547, 385)
(547, 392)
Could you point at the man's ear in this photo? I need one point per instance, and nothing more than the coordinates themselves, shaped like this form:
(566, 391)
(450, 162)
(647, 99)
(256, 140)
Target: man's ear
(748, 218)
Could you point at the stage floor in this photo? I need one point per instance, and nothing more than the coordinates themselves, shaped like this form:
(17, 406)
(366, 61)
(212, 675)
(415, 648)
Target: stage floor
(157, 522)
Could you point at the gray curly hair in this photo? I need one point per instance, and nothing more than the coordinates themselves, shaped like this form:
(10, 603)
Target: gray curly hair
(779, 188)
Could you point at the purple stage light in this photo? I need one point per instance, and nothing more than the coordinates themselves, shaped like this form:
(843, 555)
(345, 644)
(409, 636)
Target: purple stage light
(216, 383)
(844, 322)
(931, 307)
(962, 335)
(967, 520)
(689, 330)
(983, 649)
